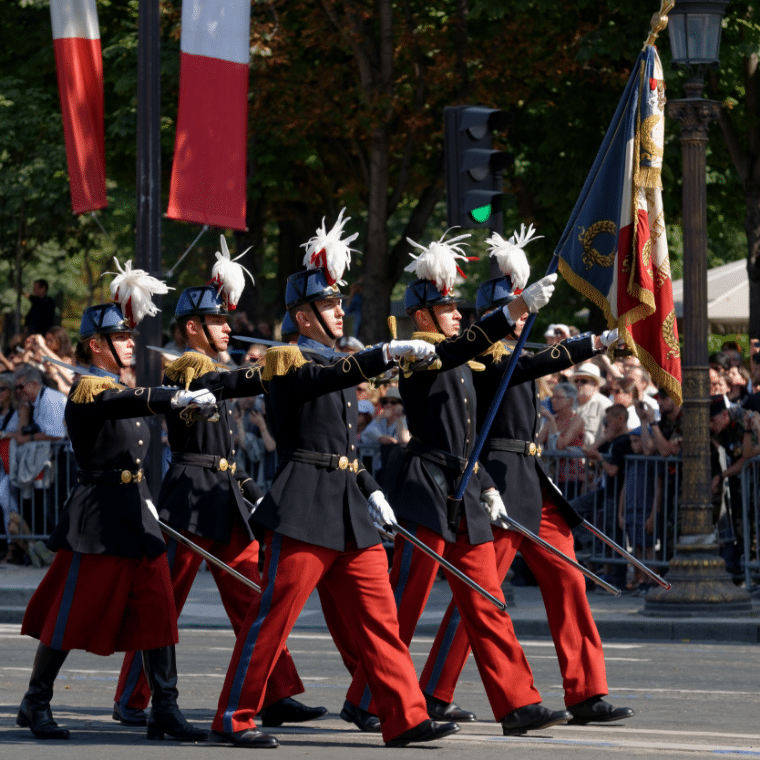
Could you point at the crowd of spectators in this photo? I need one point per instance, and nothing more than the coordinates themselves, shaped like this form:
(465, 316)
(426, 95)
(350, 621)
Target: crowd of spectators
(594, 419)
(605, 440)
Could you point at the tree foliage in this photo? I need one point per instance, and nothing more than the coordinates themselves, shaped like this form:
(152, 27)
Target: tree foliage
(346, 109)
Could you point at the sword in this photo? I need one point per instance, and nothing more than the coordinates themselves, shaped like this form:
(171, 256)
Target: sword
(261, 341)
(635, 562)
(446, 565)
(75, 368)
(509, 524)
(207, 556)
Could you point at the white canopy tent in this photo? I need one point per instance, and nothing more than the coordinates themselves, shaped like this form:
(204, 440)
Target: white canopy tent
(727, 298)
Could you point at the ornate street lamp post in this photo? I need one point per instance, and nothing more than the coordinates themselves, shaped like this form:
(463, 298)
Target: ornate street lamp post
(700, 583)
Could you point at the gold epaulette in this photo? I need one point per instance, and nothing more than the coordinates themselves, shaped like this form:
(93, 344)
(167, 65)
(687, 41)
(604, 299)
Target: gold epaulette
(438, 338)
(429, 337)
(90, 386)
(188, 367)
(282, 359)
(497, 351)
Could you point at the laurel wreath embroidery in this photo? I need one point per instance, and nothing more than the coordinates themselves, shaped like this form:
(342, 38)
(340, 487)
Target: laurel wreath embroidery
(669, 336)
(586, 238)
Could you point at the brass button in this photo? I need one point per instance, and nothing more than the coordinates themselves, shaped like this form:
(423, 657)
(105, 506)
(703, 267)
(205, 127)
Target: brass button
(343, 463)
(126, 477)
(137, 424)
(223, 464)
(352, 447)
(532, 449)
(139, 476)
(137, 461)
(348, 403)
(139, 443)
(349, 426)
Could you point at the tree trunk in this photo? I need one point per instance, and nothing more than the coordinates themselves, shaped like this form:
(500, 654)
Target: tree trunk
(378, 279)
(752, 228)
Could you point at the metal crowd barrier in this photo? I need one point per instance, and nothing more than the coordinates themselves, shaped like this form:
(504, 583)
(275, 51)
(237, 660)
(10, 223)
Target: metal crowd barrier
(750, 485)
(41, 501)
(657, 478)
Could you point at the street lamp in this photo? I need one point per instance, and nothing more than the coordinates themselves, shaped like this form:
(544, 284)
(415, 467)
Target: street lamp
(700, 583)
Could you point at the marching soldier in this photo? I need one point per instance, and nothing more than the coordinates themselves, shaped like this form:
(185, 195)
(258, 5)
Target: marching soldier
(511, 457)
(108, 588)
(441, 413)
(317, 530)
(205, 497)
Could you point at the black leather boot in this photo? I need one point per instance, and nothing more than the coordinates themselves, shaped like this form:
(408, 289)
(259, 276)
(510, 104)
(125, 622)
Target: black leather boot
(165, 716)
(34, 712)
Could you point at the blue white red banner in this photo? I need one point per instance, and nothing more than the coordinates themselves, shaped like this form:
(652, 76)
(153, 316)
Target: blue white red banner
(208, 182)
(614, 248)
(79, 63)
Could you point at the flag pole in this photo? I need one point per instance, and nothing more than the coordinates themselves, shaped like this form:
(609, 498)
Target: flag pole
(499, 395)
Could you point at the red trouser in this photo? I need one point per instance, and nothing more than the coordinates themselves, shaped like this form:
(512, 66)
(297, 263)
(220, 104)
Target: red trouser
(357, 577)
(240, 553)
(103, 604)
(563, 589)
(503, 668)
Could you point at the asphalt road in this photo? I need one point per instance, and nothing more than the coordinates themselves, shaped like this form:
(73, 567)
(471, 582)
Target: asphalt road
(691, 701)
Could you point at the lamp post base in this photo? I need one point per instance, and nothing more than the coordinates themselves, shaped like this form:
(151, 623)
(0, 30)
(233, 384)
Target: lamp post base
(700, 587)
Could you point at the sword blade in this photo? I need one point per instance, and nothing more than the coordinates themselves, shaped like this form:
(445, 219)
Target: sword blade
(207, 556)
(511, 524)
(619, 549)
(262, 342)
(448, 566)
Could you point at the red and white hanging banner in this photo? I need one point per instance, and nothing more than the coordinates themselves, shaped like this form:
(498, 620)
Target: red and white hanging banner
(208, 183)
(79, 63)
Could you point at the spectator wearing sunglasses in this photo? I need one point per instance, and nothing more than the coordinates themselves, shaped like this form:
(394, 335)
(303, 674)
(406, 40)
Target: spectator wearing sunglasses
(390, 425)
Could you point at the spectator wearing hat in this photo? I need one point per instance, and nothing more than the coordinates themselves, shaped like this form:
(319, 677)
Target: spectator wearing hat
(366, 411)
(591, 404)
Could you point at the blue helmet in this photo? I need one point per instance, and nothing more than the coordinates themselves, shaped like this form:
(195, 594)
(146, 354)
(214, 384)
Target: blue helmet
(103, 319)
(288, 325)
(494, 293)
(422, 294)
(308, 286)
(198, 300)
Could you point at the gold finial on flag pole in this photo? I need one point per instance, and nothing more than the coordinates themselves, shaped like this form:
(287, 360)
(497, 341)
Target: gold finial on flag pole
(659, 21)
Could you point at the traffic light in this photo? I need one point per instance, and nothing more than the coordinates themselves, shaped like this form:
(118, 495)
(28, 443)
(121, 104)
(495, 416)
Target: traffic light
(474, 197)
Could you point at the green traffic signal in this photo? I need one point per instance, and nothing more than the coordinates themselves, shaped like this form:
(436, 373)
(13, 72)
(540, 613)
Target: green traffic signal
(482, 214)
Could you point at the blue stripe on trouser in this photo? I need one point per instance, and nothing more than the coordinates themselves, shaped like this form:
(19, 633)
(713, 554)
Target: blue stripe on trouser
(66, 602)
(443, 652)
(135, 669)
(403, 578)
(252, 636)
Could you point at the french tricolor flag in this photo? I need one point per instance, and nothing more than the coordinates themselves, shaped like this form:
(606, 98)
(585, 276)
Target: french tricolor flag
(79, 63)
(614, 248)
(208, 183)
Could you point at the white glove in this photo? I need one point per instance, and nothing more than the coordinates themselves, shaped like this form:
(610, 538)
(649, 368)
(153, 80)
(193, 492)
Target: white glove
(151, 508)
(608, 337)
(409, 349)
(537, 295)
(200, 398)
(491, 501)
(379, 509)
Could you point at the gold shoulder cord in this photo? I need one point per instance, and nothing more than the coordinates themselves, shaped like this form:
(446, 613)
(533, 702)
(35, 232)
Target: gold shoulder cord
(188, 367)
(147, 403)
